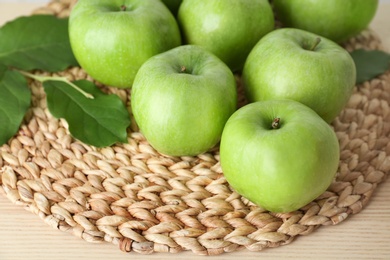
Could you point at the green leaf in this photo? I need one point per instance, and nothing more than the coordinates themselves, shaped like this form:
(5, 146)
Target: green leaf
(100, 122)
(3, 69)
(36, 42)
(370, 64)
(15, 98)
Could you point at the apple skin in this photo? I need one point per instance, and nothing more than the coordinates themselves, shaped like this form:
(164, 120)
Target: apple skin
(111, 44)
(337, 20)
(282, 66)
(182, 113)
(280, 169)
(173, 5)
(228, 28)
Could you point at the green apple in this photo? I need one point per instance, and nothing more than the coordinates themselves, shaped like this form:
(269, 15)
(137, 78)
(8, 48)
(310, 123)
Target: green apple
(279, 154)
(111, 39)
(337, 20)
(228, 28)
(181, 100)
(173, 5)
(295, 64)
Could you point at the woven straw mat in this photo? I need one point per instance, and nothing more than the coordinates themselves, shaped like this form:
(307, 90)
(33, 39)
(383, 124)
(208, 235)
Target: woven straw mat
(133, 197)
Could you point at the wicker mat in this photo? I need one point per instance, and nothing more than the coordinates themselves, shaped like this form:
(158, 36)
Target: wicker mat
(141, 201)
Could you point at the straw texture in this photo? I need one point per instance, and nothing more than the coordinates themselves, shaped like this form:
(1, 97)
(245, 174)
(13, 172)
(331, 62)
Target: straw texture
(141, 201)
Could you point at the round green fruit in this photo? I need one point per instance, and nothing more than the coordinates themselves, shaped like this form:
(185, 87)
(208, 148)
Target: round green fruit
(228, 28)
(181, 100)
(337, 20)
(295, 64)
(111, 39)
(279, 154)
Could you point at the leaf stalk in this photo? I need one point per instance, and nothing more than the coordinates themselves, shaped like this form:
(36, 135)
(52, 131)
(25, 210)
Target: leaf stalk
(61, 79)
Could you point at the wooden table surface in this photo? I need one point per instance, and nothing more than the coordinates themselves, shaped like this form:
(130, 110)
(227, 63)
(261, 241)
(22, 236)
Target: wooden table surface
(363, 236)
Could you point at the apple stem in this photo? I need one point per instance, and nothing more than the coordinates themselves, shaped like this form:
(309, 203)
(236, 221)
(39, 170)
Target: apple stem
(183, 69)
(275, 124)
(315, 43)
(123, 8)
